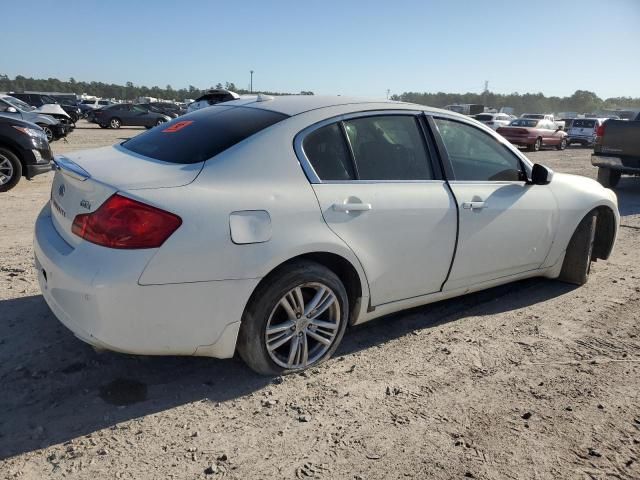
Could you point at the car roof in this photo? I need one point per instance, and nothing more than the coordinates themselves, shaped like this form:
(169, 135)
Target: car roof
(296, 104)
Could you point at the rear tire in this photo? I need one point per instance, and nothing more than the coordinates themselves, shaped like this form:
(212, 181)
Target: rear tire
(562, 145)
(577, 260)
(104, 126)
(535, 147)
(266, 311)
(607, 177)
(10, 170)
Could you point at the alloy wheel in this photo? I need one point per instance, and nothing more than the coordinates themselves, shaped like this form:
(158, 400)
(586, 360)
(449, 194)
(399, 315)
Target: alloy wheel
(115, 123)
(6, 170)
(303, 326)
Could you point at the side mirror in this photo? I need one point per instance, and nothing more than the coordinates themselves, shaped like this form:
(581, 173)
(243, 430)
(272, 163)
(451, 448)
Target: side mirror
(541, 175)
(12, 110)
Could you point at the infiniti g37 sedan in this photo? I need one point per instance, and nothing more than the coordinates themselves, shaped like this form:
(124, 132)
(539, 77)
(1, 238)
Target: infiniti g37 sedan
(268, 225)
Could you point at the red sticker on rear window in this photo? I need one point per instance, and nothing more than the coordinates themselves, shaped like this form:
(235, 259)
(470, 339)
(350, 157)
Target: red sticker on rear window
(178, 126)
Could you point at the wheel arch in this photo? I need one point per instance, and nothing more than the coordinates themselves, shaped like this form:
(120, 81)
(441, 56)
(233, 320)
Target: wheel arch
(606, 229)
(354, 282)
(7, 145)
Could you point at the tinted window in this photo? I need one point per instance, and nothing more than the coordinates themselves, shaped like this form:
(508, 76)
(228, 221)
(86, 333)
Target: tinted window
(584, 123)
(475, 155)
(524, 122)
(328, 153)
(388, 147)
(202, 134)
(484, 118)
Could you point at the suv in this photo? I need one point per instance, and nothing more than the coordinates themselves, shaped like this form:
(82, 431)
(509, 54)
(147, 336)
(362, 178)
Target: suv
(24, 151)
(12, 107)
(583, 130)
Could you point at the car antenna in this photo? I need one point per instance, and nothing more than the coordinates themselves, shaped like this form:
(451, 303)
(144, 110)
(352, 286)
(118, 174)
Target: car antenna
(264, 98)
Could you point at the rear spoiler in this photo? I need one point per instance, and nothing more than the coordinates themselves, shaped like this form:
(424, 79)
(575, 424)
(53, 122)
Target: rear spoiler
(70, 168)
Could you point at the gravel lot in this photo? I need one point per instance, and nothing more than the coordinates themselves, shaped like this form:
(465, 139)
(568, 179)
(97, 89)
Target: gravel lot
(533, 380)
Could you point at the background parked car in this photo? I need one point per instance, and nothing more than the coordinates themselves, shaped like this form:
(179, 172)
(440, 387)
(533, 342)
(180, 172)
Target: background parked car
(494, 120)
(152, 107)
(128, 115)
(534, 134)
(583, 130)
(12, 107)
(40, 99)
(544, 116)
(24, 151)
(87, 106)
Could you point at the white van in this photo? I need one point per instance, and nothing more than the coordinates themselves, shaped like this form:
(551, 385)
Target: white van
(583, 130)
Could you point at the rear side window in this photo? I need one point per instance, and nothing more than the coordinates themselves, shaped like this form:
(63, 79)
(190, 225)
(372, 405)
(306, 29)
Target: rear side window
(328, 153)
(584, 123)
(388, 147)
(202, 134)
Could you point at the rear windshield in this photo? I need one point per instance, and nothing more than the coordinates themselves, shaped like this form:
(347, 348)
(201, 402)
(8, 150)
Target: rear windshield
(524, 122)
(583, 124)
(484, 118)
(202, 134)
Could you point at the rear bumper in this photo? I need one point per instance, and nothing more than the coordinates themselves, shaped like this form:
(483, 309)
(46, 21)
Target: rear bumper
(94, 292)
(616, 163)
(522, 141)
(582, 139)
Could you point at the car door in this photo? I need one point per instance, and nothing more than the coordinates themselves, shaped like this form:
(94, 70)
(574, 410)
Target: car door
(381, 193)
(506, 226)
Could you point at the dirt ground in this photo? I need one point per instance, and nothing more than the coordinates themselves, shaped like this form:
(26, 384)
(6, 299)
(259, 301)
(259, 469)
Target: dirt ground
(534, 380)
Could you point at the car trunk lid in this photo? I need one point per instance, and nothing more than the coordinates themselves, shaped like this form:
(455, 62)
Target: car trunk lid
(84, 181)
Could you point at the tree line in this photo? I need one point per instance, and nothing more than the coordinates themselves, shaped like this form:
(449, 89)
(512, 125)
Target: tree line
(128, 91)
(582, 101)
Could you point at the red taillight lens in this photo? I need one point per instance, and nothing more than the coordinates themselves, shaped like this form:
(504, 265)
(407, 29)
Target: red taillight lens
(124, 223)
(600, 130)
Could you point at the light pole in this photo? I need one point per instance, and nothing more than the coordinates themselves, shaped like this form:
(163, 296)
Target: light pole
(251, 84)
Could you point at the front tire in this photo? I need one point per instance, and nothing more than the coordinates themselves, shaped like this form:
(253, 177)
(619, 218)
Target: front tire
(577, 260)
(294, 321)
(10, 170)
(48, 132)
(114, 123)
(607, 177)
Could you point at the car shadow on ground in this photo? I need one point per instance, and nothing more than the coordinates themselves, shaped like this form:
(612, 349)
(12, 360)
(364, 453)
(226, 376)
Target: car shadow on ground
(56, 388)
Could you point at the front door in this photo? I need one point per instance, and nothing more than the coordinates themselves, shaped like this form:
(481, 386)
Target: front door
(506, 225)
(378, 192)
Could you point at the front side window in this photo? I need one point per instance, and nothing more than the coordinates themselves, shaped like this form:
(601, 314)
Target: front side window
(388, 147)
(328, 152)
(476, 155)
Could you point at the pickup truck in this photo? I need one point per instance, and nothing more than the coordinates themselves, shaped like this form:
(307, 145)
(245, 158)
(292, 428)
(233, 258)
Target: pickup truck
(617, 150)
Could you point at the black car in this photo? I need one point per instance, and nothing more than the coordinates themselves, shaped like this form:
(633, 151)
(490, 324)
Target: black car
(24, 151)
(39, 99)
(127, 115)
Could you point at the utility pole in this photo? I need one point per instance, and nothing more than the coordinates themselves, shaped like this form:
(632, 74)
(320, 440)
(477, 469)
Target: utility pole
(486, 90)
(251, 84)
(388, 91)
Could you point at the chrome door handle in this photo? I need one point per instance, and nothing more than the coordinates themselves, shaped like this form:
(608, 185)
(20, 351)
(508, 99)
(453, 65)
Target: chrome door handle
(351, 207)
(473, 205)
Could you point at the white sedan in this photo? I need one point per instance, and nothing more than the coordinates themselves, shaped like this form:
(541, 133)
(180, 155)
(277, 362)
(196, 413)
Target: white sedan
(268, 225)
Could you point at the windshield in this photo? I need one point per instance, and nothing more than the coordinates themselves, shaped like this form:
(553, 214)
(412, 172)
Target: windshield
(48, 99)
(484, 118)
(19, 104)
(584, 123)
(533, 115)
(202, 134)
(524, 122)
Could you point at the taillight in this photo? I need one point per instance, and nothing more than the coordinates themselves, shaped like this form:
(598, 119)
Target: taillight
(600, 130)
(121, 222)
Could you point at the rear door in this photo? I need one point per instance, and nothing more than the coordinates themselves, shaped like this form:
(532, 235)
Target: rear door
(506, 225)
(380, 191)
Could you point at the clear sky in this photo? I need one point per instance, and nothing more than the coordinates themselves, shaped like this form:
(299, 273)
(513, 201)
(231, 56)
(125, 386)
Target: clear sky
(349, 47)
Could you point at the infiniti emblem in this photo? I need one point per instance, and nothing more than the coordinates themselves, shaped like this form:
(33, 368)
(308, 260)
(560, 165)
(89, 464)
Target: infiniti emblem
(61, 190)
